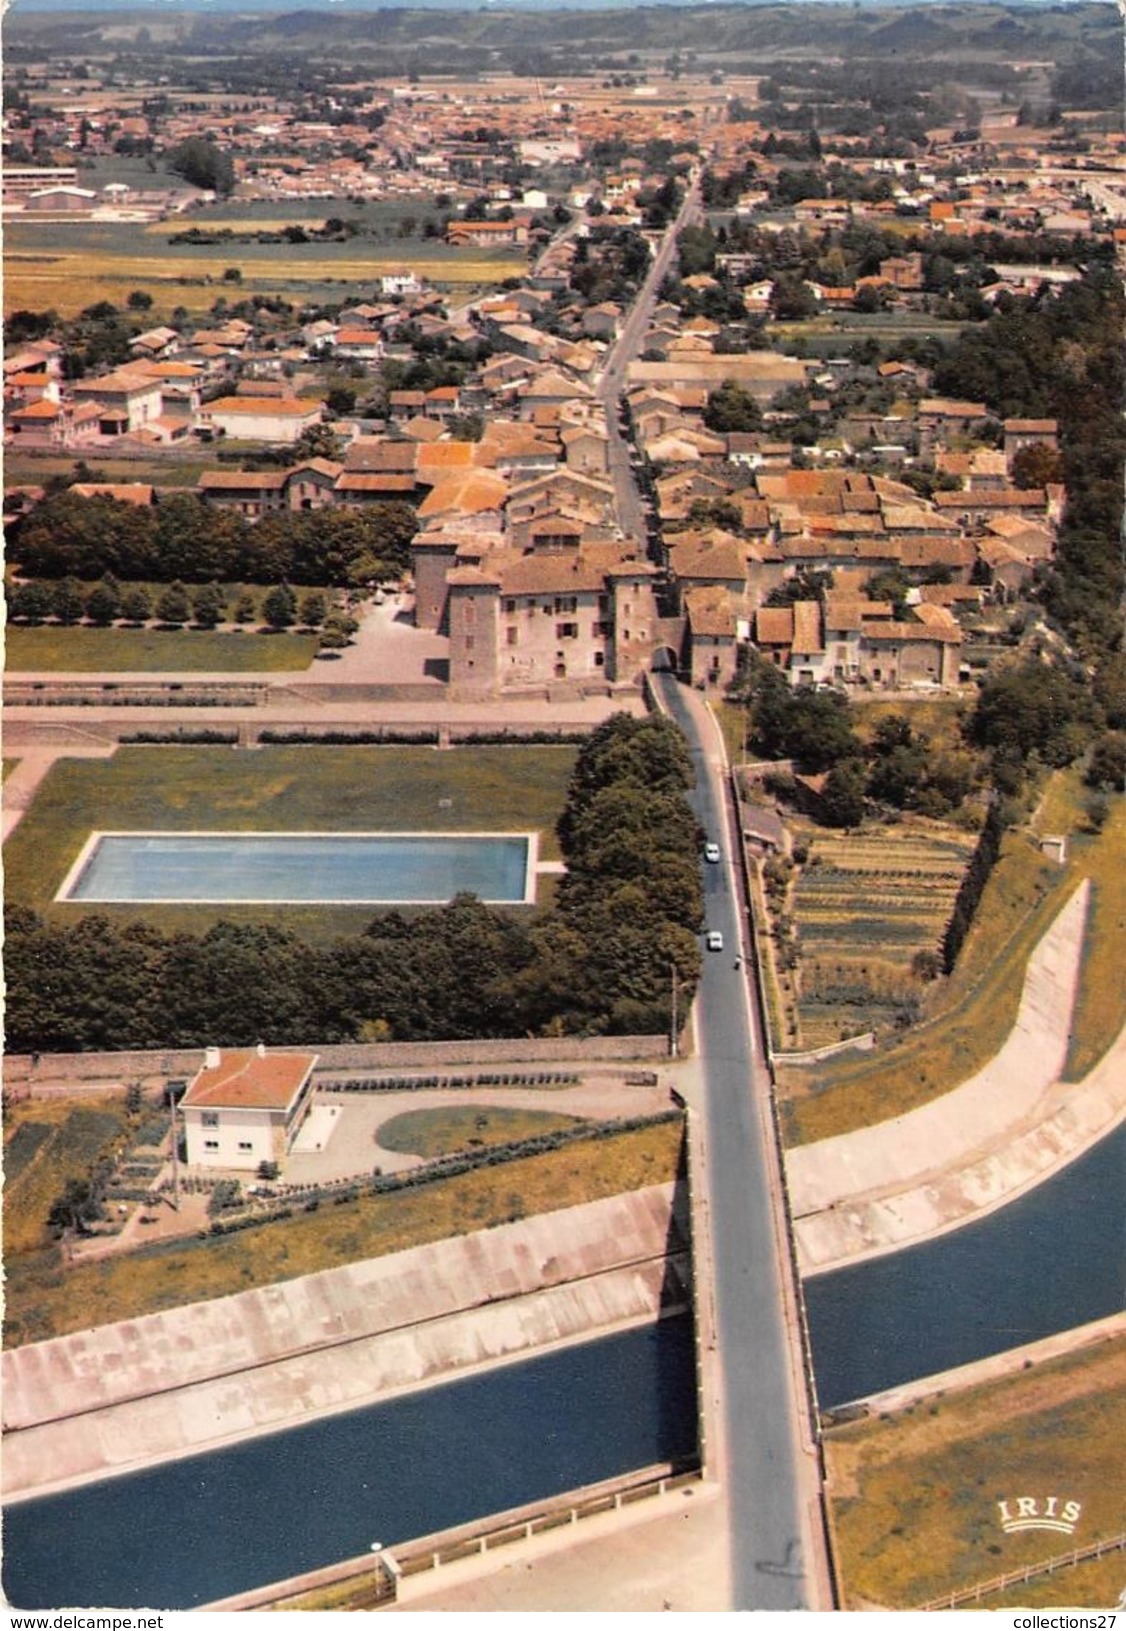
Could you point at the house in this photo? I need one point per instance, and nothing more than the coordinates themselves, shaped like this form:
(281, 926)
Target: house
(127, 398)
(263, 418)
(246, 1106)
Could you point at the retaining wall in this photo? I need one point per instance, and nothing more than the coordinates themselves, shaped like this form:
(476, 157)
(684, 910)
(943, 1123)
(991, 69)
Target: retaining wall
(83, 1407)
(24, 1071)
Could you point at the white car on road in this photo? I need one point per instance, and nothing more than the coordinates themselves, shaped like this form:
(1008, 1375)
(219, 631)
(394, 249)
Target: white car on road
(715, 940)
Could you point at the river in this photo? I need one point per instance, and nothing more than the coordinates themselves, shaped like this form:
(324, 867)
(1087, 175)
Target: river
(1052, 1260)
(196, 1530)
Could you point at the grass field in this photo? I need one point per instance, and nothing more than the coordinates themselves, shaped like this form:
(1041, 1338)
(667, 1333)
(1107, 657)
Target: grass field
(52, 649)
(914, 1497)
(175, 469)
(431, 1133)
(276, 789)
(865, 903)
(88, 262)
(44, 1299)
(971, 1014)
(47, 1142)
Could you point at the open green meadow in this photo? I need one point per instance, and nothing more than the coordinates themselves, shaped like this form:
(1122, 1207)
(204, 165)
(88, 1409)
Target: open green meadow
(306, 788)
(433, 1133)
(913, 1496)
(53, 649)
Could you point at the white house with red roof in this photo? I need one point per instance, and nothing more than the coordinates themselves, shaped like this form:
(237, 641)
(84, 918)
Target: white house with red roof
(246, 1106)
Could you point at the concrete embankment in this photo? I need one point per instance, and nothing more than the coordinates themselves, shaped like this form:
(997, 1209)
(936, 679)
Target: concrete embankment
(124, 1396)
(1006, 1129)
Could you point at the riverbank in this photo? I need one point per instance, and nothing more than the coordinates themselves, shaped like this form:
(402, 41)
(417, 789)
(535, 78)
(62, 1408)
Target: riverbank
(1008, 1128)
(122, 1397)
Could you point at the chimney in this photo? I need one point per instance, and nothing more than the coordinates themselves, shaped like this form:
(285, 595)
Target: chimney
(211, 1059)
(261, 1050)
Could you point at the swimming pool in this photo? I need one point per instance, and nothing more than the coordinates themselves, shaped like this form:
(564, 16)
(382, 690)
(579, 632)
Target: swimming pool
(364, 869)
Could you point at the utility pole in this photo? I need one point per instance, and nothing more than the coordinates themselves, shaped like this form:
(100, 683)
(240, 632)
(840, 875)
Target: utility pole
(175, 1148)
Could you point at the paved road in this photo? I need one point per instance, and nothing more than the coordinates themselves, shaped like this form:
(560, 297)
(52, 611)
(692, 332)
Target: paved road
(627, 347)
(759, 1411)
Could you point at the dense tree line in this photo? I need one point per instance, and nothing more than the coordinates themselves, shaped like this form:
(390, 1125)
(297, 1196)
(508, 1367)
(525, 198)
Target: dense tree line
(599, 961)
(1060, 355)
(183, 538)
(972, 887)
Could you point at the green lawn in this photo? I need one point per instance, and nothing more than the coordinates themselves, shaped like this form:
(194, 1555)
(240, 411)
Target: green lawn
(153, 651)
(431, 1133)
(914, 1496)
(306, 788)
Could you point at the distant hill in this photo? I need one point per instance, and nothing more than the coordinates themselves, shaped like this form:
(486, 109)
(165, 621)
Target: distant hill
(531, 36)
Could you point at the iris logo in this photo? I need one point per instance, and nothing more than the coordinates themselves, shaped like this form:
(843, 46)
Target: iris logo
(1035, 1512)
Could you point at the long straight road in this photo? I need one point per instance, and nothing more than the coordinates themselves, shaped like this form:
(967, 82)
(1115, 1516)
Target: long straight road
(626, 349)
(759, 1410)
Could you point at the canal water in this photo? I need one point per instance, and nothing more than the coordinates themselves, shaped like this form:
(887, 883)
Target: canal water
(193, 1531)
(1052, 1260)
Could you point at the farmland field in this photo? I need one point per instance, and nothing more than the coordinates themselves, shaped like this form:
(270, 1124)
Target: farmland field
(864, 905)
(69, 265)
(49, 1143)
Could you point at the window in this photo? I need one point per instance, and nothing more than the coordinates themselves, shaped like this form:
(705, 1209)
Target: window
(566, 603)
(510, 607)
(469, 642)
(600, 659)
(603, 630)
(210, 1118)
(245, 1144)
(566, 631)
(512, 635)
(211, 1143)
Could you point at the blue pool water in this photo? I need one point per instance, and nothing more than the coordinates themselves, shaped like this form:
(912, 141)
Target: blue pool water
(197, 1530)
(1052, 1260)
(216, 868)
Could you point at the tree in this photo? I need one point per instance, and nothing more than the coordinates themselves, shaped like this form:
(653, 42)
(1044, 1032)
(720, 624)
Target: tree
(103, 603)
(732, 408)
(79, 1205)
(279, 607)
(842, 797)
(209, 605)
(1033, 708)
(313, 609)
(173, 606)
(245, 608)
(139, 300)
(337, 631)
(317, 442)
(136, 604)
(1106, 767)
(1036, 465)
(67, 601)
(202, 163)
(30, 602)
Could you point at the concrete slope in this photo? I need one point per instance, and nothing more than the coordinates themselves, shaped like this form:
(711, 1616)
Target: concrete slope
(881, 1187)
(126, 1395)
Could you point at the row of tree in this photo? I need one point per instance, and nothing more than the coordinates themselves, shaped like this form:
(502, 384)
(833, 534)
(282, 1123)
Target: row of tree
(599, 961)
(208, 605)
(183, 538)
